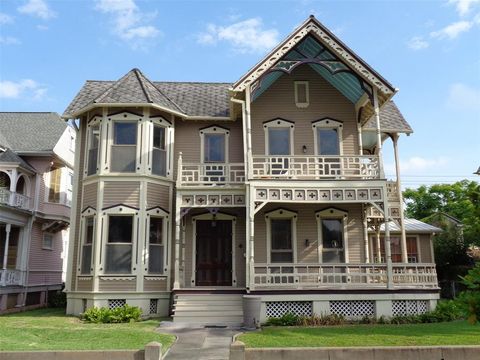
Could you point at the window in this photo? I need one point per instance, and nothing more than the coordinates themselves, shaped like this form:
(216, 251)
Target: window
(71, 143)
(93, 142)
(281, 236)
(279, 141)
(214, 153)
(87, 246)
(156, 246)
(396, 249)
(332, 232)
(119, 245)
(328, 137)
(302, 96)
(159, 152)
(55, 182)
(214, 150)
(124, 146)
(47, 241)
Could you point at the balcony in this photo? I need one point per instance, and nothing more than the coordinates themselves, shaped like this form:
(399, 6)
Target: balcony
(344, 276)
(14, 199)
(365, 167)
(195, 174)
(10, 277)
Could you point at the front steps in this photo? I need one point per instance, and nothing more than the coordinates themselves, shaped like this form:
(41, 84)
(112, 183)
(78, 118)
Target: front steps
(208, 309)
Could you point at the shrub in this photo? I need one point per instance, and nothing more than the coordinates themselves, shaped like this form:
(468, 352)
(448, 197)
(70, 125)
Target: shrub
(287, 319)
(469, 299)
(121, 314)
(57, 299)
(321, 320)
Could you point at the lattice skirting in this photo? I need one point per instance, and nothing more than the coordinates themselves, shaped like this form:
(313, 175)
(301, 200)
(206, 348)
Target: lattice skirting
(280, 308)
(153, 306)
(353, 308)
(409, 307)
(115, 303)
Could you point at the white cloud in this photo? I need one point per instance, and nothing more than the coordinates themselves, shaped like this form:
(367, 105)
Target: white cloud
(42, 27)
(37, 8)
(463, 6)
(9, 40)
(26, 88)
(129, 23)
(464, 97)
(417, 43)
(417, 164)
(453, 30)
(5, 19)
(245, 36)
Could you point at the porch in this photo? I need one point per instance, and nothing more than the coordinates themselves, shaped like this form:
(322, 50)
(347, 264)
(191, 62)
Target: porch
(14, 199)
(10, 253)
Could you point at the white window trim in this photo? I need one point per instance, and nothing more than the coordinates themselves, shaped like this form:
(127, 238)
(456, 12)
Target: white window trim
(158, 120)
(87, 212)
(156, 212)
(43, 241)
(328, 123)
(279, 123)
(307, 94)
(119, 210)
(332, 213)
(214, 129)
(281, 214)
(210, 216)
(94, 121)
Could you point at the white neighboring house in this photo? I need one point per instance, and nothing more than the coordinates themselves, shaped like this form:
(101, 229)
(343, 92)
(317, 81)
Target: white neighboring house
(36, 172)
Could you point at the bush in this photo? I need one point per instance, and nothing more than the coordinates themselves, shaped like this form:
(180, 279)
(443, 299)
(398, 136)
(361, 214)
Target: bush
(287, 319)
(470, 298)
(121, 314)
(57, 299)
(321, 320)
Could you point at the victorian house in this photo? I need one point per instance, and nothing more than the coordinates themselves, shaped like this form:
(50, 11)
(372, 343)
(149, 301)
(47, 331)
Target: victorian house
(36, 172)
(192, 197)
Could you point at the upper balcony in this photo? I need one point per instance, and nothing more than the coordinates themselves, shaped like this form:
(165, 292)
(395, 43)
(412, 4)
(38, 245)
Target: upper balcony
(195, 174)
(14, 199)
(307, 167)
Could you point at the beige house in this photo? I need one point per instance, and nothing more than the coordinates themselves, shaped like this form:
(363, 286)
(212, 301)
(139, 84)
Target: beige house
(199, 194)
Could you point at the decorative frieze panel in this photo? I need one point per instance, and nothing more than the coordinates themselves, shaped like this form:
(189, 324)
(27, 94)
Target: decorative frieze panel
(209, 200)
(319, 195)
(393, 210)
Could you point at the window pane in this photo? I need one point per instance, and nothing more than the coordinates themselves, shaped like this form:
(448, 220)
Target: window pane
(118, 258)
(301, 93)
(89, 231)
(333, 256)
(332, 233)
(159, 137)
(214, 147)
(281, 234)
(86, 259)
(93, 151)
(120, 229)
(123, 158)
(125, 133)
(156, 230)
(54, 190)
(155, 259)
(159, 162)
(281, 257)
(328, 142)
(279, 141)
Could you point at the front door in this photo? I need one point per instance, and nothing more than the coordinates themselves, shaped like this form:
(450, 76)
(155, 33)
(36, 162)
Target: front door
(213, 253)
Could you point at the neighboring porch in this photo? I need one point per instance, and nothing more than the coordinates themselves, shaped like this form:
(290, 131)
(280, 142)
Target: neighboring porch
(10, 252)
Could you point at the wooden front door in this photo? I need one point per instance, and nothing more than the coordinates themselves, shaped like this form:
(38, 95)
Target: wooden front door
(213, 253)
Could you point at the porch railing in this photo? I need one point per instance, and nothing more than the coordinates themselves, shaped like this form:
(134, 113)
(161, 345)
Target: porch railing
(14, 199)
(316, 167)
(192, 174)
(343, 275)
(10, 277)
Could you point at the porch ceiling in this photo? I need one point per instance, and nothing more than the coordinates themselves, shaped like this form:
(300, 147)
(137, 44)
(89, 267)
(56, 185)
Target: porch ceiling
(310, 51)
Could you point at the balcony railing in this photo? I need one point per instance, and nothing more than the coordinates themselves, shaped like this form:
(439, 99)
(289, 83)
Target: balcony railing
(10, 277)
(14, 199)
(312, 276)
(316, 167)
(211, 174)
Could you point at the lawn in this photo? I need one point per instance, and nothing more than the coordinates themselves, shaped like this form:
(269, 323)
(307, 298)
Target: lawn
(50, 329)
(448, 333)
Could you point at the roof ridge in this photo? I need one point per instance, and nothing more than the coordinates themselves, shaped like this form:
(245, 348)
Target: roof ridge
(140, 78)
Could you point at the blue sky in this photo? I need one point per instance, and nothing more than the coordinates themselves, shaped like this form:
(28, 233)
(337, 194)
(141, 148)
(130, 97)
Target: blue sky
(430, 50)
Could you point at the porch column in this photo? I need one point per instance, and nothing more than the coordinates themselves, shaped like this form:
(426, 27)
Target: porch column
(8, 227)
(182, 236)
(360, 139)
(379, 134)
(377, 240)
(249, 170)
(403, 240)
(388, 250)
(176, 276)
(250, 240)
(365, 234)
(13, 187)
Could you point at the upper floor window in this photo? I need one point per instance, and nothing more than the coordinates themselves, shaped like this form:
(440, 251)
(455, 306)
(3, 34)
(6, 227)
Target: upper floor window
(93, 143)
(327, 137)
(47, 241)
(214, 143)
(302, 94)
(159, 151)
(55, 183)
(278, 137)
(124, 146)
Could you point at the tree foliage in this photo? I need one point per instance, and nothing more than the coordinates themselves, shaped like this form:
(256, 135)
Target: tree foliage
(460, 200)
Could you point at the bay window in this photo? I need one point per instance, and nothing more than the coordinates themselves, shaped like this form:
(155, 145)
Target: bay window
(87, 245)
(124, 146)
(159, 151)
(118, 257)
(156, 245)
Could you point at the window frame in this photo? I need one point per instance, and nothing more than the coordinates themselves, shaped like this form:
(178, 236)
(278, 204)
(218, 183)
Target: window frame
(158, 213)
(297, 84)
(281, 214)
(94, 125)
(91, 214)
(215, 130)
(327, 123)
(51, 235)
(279, 123)
(329, 214)
(52, 172)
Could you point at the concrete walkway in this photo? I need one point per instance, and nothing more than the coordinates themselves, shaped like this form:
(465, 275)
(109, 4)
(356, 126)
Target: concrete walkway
(199, 343)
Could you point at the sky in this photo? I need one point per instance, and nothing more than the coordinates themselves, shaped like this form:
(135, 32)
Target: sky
(429, 50)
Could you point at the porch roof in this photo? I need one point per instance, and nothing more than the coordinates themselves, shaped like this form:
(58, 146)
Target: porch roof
(9, 157)
(412, 226)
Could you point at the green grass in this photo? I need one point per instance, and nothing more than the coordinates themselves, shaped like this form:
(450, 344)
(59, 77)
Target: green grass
(50, 329)
(448, 333)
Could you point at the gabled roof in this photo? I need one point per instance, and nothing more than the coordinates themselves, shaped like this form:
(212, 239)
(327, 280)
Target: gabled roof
(391, 120)
(30, 131)
(8, 156)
